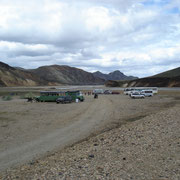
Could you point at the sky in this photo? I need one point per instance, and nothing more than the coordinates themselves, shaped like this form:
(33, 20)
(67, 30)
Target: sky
(137, 37)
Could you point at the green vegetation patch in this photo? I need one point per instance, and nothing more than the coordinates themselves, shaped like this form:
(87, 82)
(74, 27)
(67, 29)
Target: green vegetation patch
(6, 119)
(7, 98)
(28, 95)
(2, 113)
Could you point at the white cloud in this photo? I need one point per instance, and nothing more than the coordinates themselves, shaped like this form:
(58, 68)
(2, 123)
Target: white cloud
(98, 18)
(139, 38)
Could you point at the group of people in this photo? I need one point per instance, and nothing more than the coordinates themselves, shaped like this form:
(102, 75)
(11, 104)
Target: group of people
(90, 93)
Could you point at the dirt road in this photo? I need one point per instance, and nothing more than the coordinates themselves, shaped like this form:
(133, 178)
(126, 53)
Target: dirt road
(30, 130)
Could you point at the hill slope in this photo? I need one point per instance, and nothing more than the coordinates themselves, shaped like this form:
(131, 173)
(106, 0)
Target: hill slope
(66, 75)
(10, 76)
(167, 79)
(46, 75)
(169, 74)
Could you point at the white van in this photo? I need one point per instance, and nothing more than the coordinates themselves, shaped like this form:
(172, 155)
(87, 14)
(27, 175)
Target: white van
(155, 90)
(98, 91)
(128, 91)
(147, 93)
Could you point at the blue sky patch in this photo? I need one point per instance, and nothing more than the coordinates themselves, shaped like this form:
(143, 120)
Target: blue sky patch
(156, 2)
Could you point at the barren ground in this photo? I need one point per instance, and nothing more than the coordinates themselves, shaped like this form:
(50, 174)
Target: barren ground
(32, 130)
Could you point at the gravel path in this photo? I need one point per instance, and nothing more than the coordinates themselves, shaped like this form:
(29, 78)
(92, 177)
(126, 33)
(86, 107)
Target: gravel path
(148, 148)
(80, 128)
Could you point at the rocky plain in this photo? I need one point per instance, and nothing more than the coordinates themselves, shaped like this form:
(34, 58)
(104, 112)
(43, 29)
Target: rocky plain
(126, 139)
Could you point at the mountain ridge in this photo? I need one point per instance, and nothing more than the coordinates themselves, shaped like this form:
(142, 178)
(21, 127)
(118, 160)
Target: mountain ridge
(66, 75)
(46, 75)
(169, 78)
(115, 75)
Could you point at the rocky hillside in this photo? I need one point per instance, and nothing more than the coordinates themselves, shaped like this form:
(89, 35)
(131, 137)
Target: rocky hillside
(166, 79)
(10, 76)
(116, 75)
(66, 75)
(146, 82)
(46, 75)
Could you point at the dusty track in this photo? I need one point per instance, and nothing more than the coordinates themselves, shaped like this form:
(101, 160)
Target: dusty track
(83, 124)
(30, 130)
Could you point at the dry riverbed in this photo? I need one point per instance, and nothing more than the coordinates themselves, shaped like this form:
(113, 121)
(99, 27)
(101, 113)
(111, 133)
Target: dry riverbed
(128, 139)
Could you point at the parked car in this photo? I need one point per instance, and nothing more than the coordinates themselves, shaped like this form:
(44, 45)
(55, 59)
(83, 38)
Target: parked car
(107, 92)
(147, 93)
(128, 91)
(115, 92)
(64, 99)
(137, 95)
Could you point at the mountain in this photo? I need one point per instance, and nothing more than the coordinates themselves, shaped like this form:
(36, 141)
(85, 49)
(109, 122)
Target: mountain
(116, 75)
(166, 79)
(100, 75)
(45, 75)
(66, 75)
(10, 76)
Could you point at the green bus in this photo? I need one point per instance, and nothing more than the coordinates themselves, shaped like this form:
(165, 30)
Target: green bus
(75, 95)
(49, 96)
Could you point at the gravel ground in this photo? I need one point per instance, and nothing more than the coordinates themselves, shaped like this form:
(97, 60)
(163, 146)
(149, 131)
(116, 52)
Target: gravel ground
(145, 148)
(31, 130)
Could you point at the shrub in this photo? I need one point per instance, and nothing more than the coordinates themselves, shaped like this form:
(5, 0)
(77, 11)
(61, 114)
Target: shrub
(6, 98)
(28, 95)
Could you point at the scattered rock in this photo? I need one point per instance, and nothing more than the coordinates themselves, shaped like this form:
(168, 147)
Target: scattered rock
(91, 156)
(151, 154)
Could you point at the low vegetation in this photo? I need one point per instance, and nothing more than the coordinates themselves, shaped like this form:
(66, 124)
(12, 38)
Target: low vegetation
(28, 95)
(7, 98)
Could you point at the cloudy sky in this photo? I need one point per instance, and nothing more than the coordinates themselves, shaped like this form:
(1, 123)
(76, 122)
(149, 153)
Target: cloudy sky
(137, 37)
